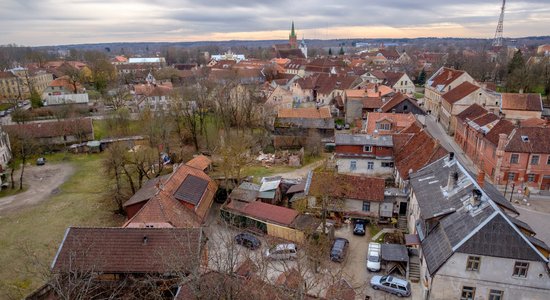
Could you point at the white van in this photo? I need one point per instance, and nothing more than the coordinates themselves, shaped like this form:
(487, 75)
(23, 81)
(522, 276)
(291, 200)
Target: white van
(373, 257)
(282, 251)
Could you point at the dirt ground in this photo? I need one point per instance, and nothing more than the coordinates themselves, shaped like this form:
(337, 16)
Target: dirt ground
(42, 181)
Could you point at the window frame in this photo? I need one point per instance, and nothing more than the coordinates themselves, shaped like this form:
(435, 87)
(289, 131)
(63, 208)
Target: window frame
(520, 266)
(370, 165)
(531, 177)
(514, 158)
(468, 289)
(367, 205)
(473, 263)
(535, 158)
(367, 148)
(353, 165)
(496, 294)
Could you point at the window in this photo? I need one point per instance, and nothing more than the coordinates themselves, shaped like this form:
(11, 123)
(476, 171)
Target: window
(473, 263)
(531, 177)
(387, 165)
(520, 269)
(366, 206)
(511, 176)
(405, 107)
(383, 126)
(353, 165)
(514, 159)
(468, 293)
(495, 294)
(370, 165)
(548, 160)
(535, 160)
(367, 148)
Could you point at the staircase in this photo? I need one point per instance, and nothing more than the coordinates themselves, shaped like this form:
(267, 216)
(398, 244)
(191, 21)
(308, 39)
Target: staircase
(414, 267)
(402, 222)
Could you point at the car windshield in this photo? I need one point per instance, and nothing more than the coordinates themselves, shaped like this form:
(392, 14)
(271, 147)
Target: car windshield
(374, 258)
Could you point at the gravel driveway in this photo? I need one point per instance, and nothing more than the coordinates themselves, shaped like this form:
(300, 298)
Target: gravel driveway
(42, 182)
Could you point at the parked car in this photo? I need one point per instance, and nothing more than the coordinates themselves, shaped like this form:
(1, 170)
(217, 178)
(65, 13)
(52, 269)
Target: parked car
(346, 126)
(391, 284)
(339, 249)
(41, 161)
(282, 251)
(248, 240)
(359, 228)
(373, 257)
(339, 127)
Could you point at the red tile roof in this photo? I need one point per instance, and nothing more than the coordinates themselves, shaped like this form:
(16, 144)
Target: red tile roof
(401, 121)
(446, 77)
(526, 102)
(534, 122)
(529, 140)
(305, 113)
(372, 102)
(392, 78)
(485, 119)
(420, 150)
(163, 210)
(396, 100)
(348, 186)
(82, 126)
(459, 92)
(264, 211)
(129, 250)
(200, 162)
(181, 174)
(502, 126)
(472, 112)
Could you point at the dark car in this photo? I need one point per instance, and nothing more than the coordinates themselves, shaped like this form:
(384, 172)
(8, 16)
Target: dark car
(359, 228)
(41, 161)
(339, 249)
(248, 240)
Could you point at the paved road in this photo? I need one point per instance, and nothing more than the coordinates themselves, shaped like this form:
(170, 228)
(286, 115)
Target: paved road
(41, 180)
(539, 221)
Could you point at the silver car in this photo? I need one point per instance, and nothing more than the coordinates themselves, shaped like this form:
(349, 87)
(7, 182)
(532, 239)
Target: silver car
(399, 287)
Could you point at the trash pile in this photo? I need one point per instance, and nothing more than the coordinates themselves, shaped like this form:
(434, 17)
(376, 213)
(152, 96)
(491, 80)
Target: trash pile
(286, 157)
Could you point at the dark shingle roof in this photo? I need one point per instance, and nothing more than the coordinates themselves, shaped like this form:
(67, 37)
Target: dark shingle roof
(529, 140)
(459, 226)
(191, 189)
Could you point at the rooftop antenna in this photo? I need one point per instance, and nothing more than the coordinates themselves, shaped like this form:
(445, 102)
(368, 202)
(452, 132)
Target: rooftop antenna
(497, 41)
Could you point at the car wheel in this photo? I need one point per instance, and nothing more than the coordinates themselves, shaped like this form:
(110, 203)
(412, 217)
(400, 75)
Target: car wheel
(399, 295)
(375, 287)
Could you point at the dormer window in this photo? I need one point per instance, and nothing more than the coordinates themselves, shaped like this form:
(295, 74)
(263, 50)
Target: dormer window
(383, 126)
(367, 148)
(524, 138)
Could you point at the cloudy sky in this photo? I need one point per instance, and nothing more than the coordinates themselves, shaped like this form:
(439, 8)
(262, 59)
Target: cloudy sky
(54, 22)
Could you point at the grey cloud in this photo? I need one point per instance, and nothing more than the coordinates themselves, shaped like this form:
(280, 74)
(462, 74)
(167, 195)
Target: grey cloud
(98, 20)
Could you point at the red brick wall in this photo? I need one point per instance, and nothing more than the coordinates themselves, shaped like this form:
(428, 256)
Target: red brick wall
(133, 209)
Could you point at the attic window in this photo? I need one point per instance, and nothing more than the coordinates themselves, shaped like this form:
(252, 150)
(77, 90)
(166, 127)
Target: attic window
(525, 138)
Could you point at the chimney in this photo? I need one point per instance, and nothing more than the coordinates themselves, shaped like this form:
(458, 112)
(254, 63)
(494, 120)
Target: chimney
(502, 141)
(380, 94)
(451, 156)
(475, 200)
(144, 240)
(376, 88)
(452, 180)
(480, 178)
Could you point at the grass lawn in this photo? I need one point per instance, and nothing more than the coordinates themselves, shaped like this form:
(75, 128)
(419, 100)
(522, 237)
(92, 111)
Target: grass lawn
(40, 229)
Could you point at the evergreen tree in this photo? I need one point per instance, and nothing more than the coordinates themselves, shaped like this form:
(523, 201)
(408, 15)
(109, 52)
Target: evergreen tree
(421, 78)
(36, 100)
(516, 79)
(329, 51)
(342, 51)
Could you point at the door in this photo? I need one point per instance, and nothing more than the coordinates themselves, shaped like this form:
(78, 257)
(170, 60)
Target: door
(545, 185)
(403, 208)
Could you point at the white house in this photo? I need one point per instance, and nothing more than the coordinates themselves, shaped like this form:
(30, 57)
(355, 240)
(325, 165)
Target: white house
(441, 82)
(470, 245)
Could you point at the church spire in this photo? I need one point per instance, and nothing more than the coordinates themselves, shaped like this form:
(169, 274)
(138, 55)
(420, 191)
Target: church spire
(292, 38)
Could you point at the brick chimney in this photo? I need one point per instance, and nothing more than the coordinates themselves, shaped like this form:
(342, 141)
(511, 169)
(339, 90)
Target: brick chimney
(480, 178)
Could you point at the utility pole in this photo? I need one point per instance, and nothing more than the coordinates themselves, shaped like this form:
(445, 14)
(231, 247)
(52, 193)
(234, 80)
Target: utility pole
(512, 193)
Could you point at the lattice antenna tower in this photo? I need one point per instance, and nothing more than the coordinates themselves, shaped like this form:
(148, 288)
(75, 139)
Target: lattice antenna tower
(497, 41)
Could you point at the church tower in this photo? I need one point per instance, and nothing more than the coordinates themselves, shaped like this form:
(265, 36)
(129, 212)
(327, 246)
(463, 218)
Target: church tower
(303, 47)
(292, 39)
